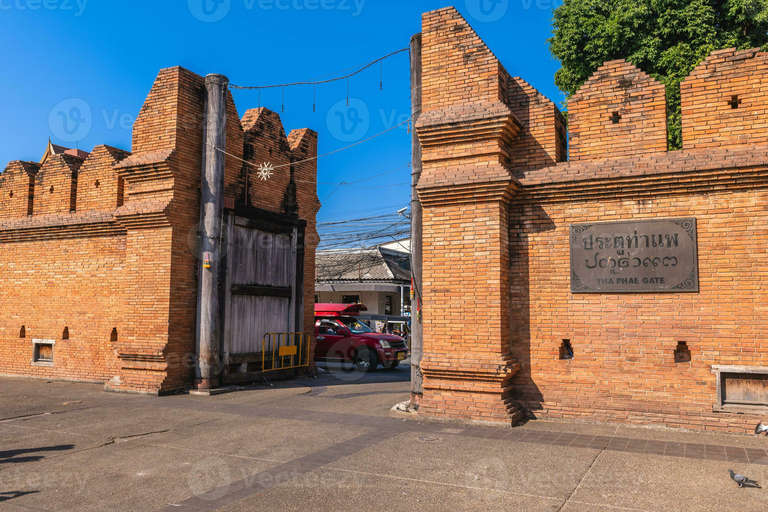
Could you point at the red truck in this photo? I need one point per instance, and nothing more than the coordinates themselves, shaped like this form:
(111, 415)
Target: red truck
(342, 338)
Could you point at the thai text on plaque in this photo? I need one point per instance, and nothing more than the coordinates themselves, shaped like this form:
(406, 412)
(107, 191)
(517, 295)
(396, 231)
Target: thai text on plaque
(659, 255)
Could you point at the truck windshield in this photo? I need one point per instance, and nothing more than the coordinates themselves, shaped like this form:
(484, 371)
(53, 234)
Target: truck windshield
(355, 326)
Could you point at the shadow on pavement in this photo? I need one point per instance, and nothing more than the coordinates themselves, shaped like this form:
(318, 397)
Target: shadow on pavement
(12, 456)
(5, 496)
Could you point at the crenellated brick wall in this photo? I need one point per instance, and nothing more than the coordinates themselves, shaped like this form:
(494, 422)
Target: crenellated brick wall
(499, 199)
(101, 246)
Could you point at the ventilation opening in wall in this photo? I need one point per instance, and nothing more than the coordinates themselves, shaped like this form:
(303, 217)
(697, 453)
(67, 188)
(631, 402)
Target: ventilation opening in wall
(682, 353)
(23, 332)
(566, 350)
(742, 388)
(113, 336)
(120, 192)
(42, 352)
(65, 334)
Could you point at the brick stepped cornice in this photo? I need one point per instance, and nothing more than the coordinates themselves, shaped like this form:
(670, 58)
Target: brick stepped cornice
(56, 227)
(460, 368)
(734, 168)
(147, 166)
(467, 187)
(466, 124)
(144, 214)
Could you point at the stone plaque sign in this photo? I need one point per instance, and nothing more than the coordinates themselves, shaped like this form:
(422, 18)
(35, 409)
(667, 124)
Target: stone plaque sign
(659, 255)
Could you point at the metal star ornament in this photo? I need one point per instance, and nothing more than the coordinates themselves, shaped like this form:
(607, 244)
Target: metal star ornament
(265, 171)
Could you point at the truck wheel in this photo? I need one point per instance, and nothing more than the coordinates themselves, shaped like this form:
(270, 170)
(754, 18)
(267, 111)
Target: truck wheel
(392, 365)
(366, 360)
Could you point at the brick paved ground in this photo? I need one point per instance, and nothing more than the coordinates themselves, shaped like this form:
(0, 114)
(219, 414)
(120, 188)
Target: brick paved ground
(331, 444)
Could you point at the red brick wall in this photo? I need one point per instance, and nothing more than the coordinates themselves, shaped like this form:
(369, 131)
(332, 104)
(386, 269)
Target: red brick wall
(17, 185)
(55, 189)
(707, 95)
(624, 344)
(497, 211)
(638, 99)
(94, 262)
(98, 185)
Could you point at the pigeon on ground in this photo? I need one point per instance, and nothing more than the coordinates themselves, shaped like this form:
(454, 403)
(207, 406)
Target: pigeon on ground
(760, 428)
(742, 480)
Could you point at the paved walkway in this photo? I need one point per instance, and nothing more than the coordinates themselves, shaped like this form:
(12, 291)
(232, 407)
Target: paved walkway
(333, 444)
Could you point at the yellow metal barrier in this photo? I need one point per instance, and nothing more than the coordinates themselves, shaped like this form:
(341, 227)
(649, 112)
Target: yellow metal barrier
(285, 351)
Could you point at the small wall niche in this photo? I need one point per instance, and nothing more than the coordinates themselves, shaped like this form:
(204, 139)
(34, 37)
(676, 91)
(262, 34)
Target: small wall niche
(615, 118)
(42, 352)
(113, 336)
(566, 350)
(65, 334)
(734, 102)
(23, 332)
(682, 353)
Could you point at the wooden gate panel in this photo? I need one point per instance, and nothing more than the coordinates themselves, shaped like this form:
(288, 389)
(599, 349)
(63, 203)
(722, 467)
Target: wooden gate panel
(253, 317)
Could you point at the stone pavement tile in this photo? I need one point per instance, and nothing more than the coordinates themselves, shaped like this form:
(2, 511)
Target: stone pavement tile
(266, 438)
(604, 429)
(648, 482)
(618, 444)
(681, 436)
(582, 441)
(757, 456)
(528, 468)
(715, 452)
(547, 438)
(121, 420)
(656, 447)
(345, 491)
(125, 476)
(674, 450)
(636, 445)
(600, 442)
(695, 451)
(565, 439)
(736, 454)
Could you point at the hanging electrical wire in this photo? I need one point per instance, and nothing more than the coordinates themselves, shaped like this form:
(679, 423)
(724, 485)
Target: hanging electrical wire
(319, 82)
(250, 164)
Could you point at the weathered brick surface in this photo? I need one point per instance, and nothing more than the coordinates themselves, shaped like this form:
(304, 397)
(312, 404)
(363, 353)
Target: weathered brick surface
(55, 188)
(113, 262)
(726, 79)
(17, 183)
(498, 202)
(619, 111)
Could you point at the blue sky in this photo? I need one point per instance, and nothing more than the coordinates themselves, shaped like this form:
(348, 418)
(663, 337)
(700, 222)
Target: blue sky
(102, 57)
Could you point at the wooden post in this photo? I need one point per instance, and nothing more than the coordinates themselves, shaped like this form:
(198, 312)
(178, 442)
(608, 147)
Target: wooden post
(417, 327)
(211, 219)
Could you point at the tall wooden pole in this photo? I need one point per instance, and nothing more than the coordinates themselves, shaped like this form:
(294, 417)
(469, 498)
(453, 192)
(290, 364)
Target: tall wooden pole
(211, 220)
(417, 327)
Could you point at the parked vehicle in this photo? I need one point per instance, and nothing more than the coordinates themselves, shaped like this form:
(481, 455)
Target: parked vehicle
(342, 337)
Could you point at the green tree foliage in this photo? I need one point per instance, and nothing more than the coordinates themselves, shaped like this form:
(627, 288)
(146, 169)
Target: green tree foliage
(664, 38)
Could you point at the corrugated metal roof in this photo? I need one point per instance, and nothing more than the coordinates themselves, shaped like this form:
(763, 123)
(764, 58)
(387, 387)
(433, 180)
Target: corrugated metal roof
(356, 265)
